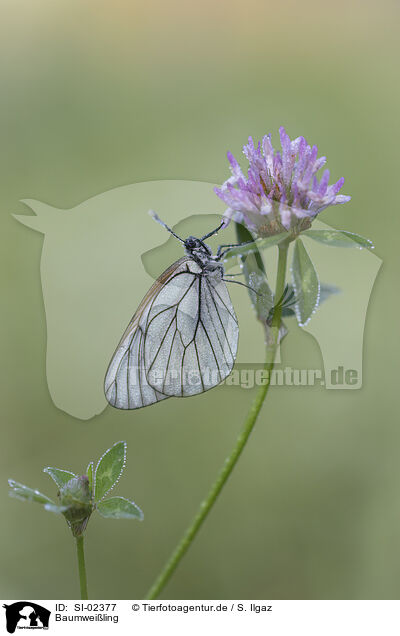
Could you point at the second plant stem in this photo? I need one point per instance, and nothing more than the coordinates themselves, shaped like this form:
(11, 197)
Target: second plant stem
(237, 450)
(81, 567)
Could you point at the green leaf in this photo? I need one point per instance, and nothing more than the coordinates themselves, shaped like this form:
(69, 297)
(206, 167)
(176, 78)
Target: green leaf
(288, 312)
(326, 291)
(339, 238)
(255, 276)
(255, 246)
(60, 476)
(109, 469)
(27, 494)
(305, 283)
(119, 508)
(54, 508)
(244, 236)
(89, 473)
(263, 301)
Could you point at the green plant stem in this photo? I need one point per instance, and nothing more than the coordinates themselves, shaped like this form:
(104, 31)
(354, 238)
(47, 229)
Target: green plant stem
(81, 566)
(244, 434)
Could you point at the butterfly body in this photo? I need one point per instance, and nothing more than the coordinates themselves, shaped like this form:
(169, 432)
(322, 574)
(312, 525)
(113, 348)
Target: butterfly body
(201, 253)
(183, 338)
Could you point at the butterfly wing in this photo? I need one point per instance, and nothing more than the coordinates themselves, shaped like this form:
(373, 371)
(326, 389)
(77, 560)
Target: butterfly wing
(191, 346)
(125, 384)
(181, 341)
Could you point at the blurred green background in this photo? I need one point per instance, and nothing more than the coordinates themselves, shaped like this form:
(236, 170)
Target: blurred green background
(98, 94)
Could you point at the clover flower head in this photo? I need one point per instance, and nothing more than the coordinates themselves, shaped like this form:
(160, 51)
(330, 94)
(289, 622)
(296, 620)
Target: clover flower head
(281, 191)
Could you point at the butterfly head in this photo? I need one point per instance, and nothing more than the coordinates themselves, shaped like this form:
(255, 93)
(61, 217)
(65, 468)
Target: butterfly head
(192, 243)
(195, 246)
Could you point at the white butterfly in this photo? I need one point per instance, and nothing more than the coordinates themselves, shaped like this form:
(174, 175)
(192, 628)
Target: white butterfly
(183, 338)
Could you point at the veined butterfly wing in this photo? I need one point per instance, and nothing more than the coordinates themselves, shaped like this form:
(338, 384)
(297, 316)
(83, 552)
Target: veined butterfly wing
(181, 341)
(125, 384)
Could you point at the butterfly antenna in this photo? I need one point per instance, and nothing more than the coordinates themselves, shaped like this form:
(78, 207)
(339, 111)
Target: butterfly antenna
(157, 218)
(213, 232)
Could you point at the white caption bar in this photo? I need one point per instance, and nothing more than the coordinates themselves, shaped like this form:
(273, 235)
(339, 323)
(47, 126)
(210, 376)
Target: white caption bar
(275, 618)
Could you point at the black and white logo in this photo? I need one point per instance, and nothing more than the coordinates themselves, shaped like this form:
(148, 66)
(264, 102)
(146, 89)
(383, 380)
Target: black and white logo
(26, 615)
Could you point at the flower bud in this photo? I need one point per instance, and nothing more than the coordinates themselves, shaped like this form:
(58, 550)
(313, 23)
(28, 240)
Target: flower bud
(77, 496)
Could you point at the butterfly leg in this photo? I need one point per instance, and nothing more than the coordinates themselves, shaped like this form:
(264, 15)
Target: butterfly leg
(220, 254)
(237, 282)
(239, 274)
